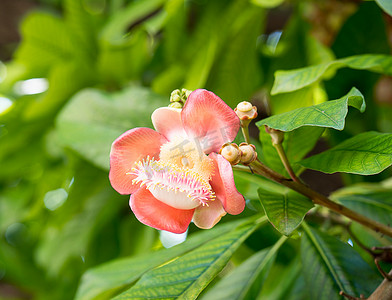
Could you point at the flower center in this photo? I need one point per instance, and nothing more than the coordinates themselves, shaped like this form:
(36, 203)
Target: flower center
(179, 187)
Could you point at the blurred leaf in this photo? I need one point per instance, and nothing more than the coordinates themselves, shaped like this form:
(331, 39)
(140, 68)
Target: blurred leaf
(73, 227)
(285, 210)
(365, 154)
(115, 30)
(330, 266)
(267, 3)
(46, 40)
(246, 281)
(287, 278)
(288, 81)
(118, 274)
(373, 201)
(64, 80)
(82, 25)
(359, 37)
(92, 120)
(191, 273)
(117, 64)
(237, 57)
(386, 5)
(297, 143)
(329, 114)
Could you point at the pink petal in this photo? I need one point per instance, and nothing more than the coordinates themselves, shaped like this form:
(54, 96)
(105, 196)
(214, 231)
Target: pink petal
(156, 214)
(132, 146)
(210, 120)
(206, 217)
(167, 121)
(222, 183)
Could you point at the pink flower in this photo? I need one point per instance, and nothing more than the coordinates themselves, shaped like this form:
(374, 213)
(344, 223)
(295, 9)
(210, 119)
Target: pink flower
(174, 174)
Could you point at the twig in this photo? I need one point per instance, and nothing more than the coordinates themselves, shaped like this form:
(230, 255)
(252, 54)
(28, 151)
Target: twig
(320, 199)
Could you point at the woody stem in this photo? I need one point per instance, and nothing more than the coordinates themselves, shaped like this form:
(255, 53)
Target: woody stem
(320, 199)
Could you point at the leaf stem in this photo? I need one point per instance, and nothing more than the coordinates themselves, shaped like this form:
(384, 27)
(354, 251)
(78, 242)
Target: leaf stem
(285, 161)
(320, 199)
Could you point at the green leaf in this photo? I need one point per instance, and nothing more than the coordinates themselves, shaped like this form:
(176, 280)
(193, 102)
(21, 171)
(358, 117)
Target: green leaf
(329, 114)
(120, 273)
(373, 201)
(285, 210)
(330, 266)
(296, 143)
(386, 5)
(246, 281)
(365, 154)
(267, 3)
(92, 120)
(288, 81)
(188, 275)
(46, 40)
(115, 30)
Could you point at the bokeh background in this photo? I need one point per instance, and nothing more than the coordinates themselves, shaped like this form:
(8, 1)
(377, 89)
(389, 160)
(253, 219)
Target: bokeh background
(75, 74)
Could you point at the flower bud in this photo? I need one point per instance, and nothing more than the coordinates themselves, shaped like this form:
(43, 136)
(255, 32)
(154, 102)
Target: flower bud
(231, 152)
(246, 111)
(175, 105)
(248, 153)
(178, 97)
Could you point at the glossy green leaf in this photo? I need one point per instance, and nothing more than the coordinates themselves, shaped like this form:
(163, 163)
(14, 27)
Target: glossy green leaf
(92, 120)
(373, 201)
(115, 275)
(291, 80)
(246, 281)
(191, 273)
(330, 266)
(284, 210)
(296, 143)
(386, 5)
(365, 154)
(330, 114)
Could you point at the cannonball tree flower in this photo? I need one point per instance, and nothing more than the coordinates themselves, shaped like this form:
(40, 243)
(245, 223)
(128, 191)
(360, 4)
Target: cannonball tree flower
(174, 174)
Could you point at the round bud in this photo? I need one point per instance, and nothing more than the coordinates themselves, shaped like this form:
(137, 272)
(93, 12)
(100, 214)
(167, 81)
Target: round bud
(175, 105)
(248, 153)
(246, 111)
(231, 152)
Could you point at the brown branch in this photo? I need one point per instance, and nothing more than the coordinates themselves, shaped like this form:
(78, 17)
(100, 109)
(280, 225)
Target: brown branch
(384, 290)
(320, 199)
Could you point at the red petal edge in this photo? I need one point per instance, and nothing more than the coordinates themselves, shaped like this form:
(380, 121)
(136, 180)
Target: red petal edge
(223, 185)
(156, 214)
(207, 118)
(132, 146)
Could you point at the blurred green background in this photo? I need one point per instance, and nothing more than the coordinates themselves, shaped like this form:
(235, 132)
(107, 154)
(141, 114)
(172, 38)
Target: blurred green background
(75, 74)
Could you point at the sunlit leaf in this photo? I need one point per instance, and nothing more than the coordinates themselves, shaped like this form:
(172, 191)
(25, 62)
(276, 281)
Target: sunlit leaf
(288, 81)
(329, 114)
(373, 201)
(191, 273)
(330, 266)
(246, 281)
(366, 153)
(284, 210)
(115, 275)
